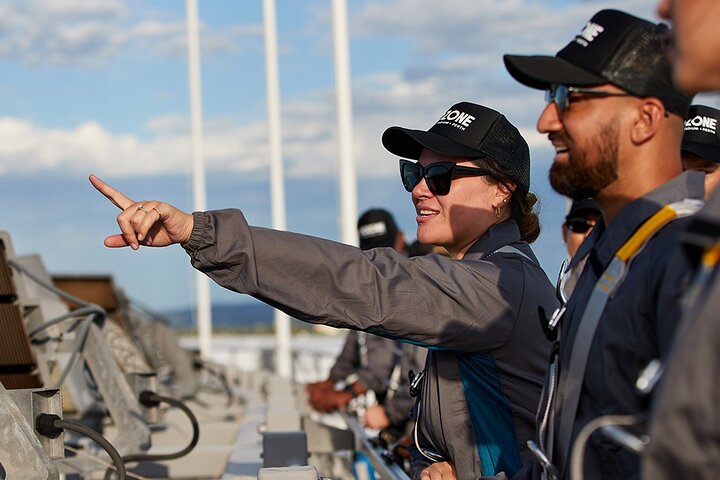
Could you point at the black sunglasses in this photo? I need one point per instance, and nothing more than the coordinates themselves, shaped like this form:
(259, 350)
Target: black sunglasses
(438, 176)
(579, 225)
(560, 94)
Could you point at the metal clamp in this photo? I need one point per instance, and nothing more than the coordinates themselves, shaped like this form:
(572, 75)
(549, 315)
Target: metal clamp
(416, 382)
(550, 471)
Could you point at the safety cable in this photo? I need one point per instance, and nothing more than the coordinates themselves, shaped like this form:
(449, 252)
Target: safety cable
(81, 453)
(51, 426)
(220, 375)
(89, 310)
(152, 399)
(21, 268)
(92, 311)
(77, 349)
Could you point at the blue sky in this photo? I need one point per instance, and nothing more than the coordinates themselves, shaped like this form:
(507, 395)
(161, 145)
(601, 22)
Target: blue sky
(100, 86)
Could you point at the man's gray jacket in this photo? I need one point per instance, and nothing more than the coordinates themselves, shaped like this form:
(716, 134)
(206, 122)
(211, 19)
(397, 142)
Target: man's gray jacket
(369, 357)
(479, 316)
(685, 423)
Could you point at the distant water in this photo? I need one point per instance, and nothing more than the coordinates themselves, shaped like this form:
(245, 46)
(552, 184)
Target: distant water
(228, 317)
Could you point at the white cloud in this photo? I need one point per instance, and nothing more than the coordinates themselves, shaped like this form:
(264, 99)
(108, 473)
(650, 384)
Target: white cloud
(479, 25)
(309, 135)
(92, 32)
(412, 95)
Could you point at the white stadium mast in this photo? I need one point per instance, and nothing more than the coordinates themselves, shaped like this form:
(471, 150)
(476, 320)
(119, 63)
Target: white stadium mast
(346, 165)
(343, 97)
(283, 350)
(202, 282)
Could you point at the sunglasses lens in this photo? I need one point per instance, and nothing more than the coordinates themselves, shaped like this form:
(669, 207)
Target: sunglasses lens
(411, 174)
(578, 226)
(560, 96)
(439, 178)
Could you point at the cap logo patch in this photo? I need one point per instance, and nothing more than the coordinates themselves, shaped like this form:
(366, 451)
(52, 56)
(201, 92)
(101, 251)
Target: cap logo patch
(701, 123)
(456, 118)
(373, 230)
(589, 33)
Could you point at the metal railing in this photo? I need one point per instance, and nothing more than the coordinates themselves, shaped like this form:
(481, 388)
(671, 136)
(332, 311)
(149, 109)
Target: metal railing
(386, 469)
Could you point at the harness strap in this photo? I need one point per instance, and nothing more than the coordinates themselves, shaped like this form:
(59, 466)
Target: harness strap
(571, 381)
(511, 249)
(363, 349)
(394, 380)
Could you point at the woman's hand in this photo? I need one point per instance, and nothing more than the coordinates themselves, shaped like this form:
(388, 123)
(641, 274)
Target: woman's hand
(439, 471)
(150, 223)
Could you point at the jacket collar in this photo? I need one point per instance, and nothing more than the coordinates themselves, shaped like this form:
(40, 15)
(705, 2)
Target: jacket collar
(497, 236)
(606, 240)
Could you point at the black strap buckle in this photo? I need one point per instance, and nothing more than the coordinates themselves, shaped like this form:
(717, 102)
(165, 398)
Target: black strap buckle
(416, 382)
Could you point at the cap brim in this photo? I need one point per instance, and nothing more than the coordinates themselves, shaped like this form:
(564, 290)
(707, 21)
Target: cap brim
(708, 152)
(407, 143)
(541, 71)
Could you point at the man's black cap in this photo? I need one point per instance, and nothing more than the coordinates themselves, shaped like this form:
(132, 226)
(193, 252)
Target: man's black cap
(614, 47)
(376, 228)
(471, 131)
(701, 133)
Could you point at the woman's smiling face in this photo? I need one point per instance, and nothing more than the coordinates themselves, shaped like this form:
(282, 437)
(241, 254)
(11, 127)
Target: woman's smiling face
(456, 220)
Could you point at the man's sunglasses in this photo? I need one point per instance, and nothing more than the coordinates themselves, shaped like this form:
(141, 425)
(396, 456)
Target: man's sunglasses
(579, 225)
(560, 94)
(438, 176)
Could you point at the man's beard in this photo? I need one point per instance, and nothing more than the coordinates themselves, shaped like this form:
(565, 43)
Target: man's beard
(581, 177)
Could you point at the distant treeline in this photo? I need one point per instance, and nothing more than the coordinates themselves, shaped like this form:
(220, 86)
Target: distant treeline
(241, 317)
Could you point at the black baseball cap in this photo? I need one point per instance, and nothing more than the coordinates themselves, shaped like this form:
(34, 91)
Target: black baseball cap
(581, 208)
(376, 228)
(471, 131)
(701, 133)
(614, 47)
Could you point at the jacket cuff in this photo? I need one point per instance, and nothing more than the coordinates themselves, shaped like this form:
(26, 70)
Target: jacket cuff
(198, 237)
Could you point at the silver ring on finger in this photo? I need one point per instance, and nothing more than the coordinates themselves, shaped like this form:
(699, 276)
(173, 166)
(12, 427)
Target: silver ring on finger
(142, 208)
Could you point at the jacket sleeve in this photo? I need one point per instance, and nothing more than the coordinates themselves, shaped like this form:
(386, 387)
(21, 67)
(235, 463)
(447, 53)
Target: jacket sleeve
(685, 424)
(428, 300)
(347, 361)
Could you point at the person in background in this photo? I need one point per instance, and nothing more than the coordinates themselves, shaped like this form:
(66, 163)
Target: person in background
(366, 362)
(615, 120)
(416, 248)
(393, 417)
(701, 145)
(394, 413)
(685, 421)
(479, 312)
(695, 43)
(579, 222)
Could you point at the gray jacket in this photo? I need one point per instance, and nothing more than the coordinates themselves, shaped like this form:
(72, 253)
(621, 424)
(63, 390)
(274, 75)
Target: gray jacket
(370, 357)
(480, 317)
(685, 423)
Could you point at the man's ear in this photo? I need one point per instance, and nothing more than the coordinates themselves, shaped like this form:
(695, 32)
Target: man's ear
(649, 116)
